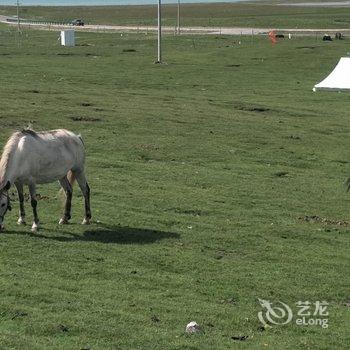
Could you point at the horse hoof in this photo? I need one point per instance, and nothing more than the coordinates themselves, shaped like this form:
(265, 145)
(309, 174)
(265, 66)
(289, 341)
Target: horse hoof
(21, 221)
(34, 228)
(86, 221)
(63, 221)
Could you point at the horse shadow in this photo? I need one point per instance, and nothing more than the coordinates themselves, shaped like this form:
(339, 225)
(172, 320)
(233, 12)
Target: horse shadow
(105, 233)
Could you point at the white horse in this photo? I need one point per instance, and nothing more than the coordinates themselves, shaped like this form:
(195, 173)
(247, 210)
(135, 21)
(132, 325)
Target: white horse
(31, 158)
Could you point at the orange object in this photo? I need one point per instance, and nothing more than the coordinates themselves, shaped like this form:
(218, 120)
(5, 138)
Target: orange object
(272, 36)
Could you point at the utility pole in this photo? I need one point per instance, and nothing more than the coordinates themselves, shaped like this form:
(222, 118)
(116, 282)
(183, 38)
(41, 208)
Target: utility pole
(18, 20)
(159, 31)
(178, 16)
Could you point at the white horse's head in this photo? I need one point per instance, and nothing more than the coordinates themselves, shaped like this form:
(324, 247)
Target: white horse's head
(5, 204)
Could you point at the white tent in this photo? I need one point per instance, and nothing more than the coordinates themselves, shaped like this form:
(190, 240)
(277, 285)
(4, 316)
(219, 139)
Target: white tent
(339, 79)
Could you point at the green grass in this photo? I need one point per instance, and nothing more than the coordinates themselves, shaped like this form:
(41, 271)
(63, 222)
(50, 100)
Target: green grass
(201, 171)
(226, 15)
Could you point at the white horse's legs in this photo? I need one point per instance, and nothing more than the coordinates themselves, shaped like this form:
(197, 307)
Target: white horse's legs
(68, 190)
(34, 202)
(21, 219)
(85, 189)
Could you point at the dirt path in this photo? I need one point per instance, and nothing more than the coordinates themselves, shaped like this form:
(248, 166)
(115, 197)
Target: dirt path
(166, 29)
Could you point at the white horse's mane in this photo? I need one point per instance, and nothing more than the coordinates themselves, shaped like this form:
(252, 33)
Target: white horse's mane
(6, 153)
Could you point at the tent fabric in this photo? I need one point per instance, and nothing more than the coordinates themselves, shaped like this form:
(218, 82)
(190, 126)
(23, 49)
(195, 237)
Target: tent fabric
(339, 79)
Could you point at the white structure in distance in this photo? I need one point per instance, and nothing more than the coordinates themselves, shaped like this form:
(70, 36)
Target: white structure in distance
(67, 37)
(338, 79)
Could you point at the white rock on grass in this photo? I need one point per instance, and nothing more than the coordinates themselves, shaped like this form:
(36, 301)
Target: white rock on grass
(193, 327)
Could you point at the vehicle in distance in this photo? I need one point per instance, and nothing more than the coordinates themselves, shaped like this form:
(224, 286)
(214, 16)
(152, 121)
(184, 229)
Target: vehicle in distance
(77, 22)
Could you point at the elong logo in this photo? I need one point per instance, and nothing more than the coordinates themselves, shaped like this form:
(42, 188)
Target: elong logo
(282, 314)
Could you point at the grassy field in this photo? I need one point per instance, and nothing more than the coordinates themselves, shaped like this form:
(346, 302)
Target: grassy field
(226, 15)
(217, 179)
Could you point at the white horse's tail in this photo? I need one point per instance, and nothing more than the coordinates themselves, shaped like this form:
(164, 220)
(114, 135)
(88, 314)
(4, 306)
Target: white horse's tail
(81, 139)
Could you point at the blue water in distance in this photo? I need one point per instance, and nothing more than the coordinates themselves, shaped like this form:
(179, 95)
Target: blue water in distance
(102, 2)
